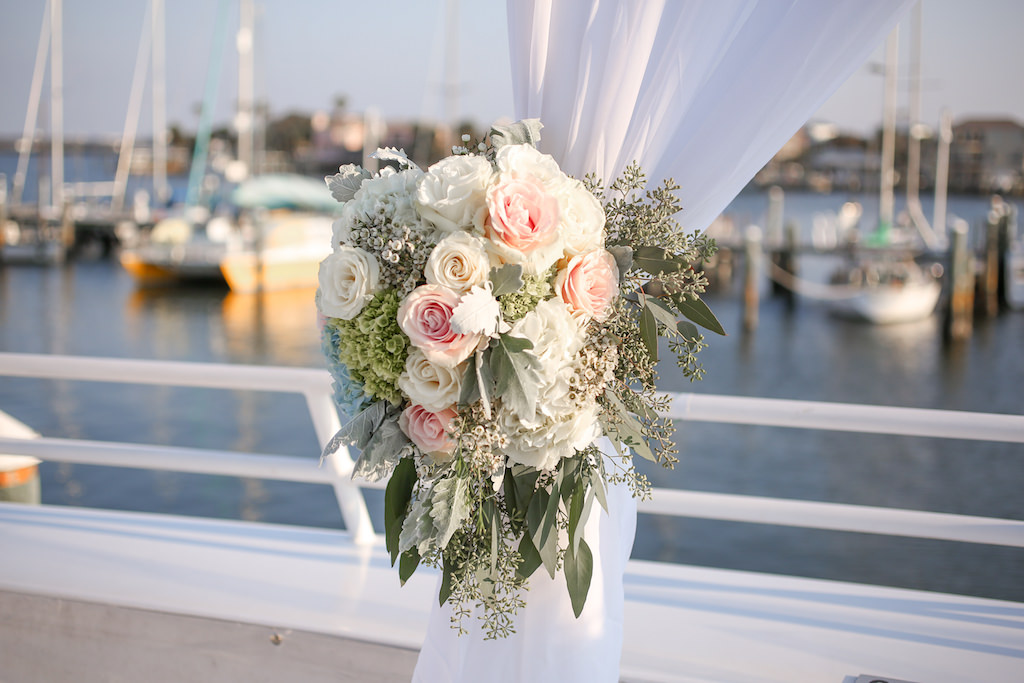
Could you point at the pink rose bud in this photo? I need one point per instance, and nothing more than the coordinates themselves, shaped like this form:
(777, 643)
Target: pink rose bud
(589, 283)
(429, 431)
(425, 316)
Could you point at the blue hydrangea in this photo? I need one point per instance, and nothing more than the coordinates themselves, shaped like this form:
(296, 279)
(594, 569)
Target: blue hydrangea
(349, 394)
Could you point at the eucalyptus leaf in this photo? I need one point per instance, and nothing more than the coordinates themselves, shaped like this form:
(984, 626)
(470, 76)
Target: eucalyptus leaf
(516, 373)
(470, 392)
(579, 569)
(495, 524)
(396, 503)
(628, 430)
(698, 311)
(506, 279)
(531, 558)
(688, 330)
(407, 565)
(576, 501)
(597, 486)
(549, 554)
(623, 259)
(524, 483)
(547, 538)
(649, 332)
(661, 312)
(522, 132)
(446, 580)
(656, 260)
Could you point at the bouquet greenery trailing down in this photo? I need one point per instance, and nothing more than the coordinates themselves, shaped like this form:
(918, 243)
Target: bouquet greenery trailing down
(485, 321)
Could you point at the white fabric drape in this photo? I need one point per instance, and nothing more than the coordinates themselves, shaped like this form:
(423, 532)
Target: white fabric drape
(550, 644)
(701, 91)
(704, 92)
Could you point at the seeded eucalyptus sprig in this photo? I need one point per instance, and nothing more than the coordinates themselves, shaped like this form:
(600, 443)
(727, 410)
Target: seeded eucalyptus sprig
(661, 282)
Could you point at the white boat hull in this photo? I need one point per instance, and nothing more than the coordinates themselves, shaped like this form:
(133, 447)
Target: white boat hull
(890, 304)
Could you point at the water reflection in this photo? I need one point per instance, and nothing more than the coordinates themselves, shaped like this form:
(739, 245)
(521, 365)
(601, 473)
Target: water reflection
(272, 327)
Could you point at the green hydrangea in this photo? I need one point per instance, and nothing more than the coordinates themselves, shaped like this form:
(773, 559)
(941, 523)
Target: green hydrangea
(535, 289)
(373, 347)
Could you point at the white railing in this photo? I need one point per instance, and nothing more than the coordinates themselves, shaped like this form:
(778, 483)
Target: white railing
(314, 385)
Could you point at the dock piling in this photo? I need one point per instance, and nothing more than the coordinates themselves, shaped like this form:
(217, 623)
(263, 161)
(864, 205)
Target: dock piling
(750, 284)
(960, 305)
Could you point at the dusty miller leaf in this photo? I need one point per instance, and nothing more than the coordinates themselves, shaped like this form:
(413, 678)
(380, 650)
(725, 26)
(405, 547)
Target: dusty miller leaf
(383, 451)
(346, 182)
(418, 527)
(522, 132)
(449, 507)
(393, 154)
(506, 279)
(358, 431)
(517, 373)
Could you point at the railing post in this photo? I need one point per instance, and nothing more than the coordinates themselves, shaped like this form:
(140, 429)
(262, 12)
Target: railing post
(350, 496)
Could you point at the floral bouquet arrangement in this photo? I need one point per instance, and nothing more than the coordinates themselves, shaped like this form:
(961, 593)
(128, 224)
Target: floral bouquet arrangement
(485, 321)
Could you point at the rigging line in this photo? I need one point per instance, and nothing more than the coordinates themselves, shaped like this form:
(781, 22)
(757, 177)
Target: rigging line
(811, 290)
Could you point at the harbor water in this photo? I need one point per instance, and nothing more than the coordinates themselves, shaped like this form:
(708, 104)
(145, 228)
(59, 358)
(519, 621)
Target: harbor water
(93, 308)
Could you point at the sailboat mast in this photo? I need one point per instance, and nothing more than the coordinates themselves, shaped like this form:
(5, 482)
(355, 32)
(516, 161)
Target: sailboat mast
(885, 198)
(914, 137)
(56, 105)
(160, 187)
(131, 122)
(244, 119)
(28, 135)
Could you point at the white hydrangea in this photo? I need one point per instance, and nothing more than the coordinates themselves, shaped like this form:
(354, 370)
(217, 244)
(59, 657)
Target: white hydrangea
(390, 195)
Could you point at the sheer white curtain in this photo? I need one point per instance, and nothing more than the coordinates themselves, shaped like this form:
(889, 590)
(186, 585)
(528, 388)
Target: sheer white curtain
(705, 92)
(701, 91)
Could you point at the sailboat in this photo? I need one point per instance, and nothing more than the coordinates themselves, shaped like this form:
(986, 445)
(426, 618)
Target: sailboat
(268, 234)
(884, 286)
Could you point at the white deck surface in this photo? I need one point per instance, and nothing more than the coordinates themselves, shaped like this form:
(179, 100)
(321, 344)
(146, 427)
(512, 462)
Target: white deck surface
(335, 605)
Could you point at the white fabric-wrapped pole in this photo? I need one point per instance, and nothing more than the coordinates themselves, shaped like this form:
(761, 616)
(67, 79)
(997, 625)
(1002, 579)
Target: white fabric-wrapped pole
(702, 92)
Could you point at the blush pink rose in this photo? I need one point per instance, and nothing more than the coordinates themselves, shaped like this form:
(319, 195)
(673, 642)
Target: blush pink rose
(523, 217)
(589, 283)
(429, 431)
(425, 316)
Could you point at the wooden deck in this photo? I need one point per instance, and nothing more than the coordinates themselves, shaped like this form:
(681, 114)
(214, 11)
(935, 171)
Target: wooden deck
(89, 595)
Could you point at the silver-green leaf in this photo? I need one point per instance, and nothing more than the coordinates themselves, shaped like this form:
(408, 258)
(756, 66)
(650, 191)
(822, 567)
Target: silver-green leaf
(506, 279)
(516, 372)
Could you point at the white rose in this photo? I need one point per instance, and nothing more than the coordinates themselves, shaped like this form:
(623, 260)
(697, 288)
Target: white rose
(582, 219)
(348, 279)
(450, 195)
(459, 261)
(432, 386)
(526, 160)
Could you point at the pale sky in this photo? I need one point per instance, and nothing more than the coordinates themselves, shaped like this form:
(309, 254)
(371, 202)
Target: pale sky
(388, 54)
